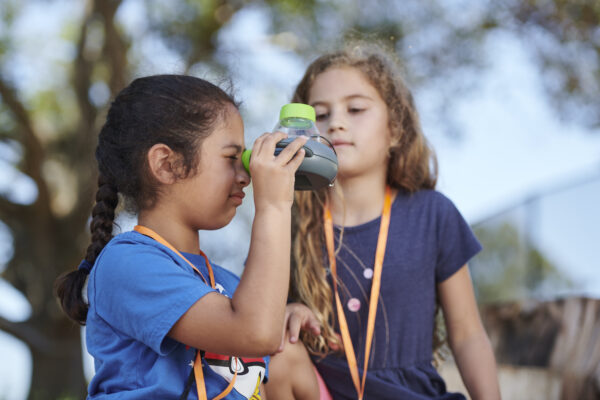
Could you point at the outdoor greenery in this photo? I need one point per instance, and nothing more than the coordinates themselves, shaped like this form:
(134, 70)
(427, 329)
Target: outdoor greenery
(47, 132)
(511, 268)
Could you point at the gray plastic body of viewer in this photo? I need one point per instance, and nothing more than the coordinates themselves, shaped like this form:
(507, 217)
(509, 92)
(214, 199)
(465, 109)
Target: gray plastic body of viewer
(319, 167)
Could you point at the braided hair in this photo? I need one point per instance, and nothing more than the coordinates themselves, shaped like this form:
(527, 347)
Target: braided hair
(176, 110)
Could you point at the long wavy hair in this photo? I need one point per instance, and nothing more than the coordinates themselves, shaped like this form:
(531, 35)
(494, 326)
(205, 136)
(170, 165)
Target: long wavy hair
(412, 166)
(177, 110)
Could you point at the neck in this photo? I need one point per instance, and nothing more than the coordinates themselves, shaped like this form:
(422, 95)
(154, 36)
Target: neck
(357, 200)
(181, 237)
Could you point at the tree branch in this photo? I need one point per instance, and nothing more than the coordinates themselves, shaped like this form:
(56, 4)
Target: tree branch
(82, 138)
(10, 211)
(33, 338)
(114, 50)
(114, 53)
(33, 150)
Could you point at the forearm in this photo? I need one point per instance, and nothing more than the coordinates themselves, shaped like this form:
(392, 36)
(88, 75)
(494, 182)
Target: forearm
(261, 295)
(475, 360)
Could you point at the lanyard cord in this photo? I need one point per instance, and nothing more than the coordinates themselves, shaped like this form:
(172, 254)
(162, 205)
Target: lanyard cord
(150, 233)
(198, 373)
(379, 255)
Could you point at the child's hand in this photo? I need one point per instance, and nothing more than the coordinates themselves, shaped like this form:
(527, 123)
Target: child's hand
(298, 317)
(273, 176)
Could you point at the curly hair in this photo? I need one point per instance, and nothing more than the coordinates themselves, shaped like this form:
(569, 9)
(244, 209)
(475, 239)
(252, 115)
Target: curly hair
(412, 166)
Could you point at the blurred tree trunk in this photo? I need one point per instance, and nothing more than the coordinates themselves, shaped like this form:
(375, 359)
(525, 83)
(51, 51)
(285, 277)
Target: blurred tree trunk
(48, 240)
(50, 237)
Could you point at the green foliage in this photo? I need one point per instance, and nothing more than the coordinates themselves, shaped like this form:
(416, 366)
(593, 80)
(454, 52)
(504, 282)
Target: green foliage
(564, 41)
(511, 268)
(52, 129)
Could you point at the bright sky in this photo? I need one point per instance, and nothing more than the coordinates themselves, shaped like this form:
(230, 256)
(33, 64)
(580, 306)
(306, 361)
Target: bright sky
(516, 147)
(513, 146)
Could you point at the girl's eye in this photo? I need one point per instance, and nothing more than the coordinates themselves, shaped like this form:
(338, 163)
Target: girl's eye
(321, 117)
(355, 110)
(233, 157)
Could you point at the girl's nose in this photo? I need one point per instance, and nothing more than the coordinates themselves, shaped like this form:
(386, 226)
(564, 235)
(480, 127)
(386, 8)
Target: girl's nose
(336, 123)
(242, 176)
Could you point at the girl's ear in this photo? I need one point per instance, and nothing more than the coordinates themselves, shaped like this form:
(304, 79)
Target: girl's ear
(162, 162)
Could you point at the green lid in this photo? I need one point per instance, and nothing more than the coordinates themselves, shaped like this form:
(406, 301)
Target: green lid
(246, 159)
(297, 110)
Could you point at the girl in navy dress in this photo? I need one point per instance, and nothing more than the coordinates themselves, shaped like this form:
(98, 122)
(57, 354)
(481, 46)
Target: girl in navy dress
(376, 254)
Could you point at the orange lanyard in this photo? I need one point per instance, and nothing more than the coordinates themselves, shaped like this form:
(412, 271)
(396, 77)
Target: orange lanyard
(198, 373)
(379, 255)
(150, 233)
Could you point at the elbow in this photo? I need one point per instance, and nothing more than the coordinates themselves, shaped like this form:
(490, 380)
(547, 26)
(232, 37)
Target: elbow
(269, 340)
(265, 341)
(262, 332)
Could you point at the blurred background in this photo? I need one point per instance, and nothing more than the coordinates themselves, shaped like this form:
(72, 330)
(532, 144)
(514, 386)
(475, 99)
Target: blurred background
(509, 96)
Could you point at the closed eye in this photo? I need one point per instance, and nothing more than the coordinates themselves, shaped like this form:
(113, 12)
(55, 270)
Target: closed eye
(355, 110)
(321, 117)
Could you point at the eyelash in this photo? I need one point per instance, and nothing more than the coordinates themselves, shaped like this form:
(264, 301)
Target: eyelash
(233, 157)
(351, 110)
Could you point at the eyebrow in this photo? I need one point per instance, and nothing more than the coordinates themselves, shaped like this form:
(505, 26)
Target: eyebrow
(349, 97)
(237, 147)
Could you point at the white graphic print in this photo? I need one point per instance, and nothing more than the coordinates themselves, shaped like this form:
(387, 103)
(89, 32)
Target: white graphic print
(250, 372)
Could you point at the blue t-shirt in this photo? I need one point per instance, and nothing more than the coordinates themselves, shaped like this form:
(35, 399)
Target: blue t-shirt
(428, 241)
(137, 290)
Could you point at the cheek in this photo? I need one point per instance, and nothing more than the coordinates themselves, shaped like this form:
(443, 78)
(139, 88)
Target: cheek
(322, 127)
(383, 130)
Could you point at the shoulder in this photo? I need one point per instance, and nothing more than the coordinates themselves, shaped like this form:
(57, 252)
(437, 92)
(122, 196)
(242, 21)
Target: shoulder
(429, 200)
(431, 196)
(133, 244)
(129, 251)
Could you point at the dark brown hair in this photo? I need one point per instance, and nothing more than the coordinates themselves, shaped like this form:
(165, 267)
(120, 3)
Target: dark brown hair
(176, 110)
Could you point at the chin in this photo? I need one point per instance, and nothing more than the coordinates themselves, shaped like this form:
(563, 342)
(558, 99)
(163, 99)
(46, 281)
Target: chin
(223, 222)
(221, 218)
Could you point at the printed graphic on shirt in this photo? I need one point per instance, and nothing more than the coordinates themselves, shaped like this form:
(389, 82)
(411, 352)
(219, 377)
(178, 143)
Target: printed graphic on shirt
(256, 394)
(221, 289)
(250, 372)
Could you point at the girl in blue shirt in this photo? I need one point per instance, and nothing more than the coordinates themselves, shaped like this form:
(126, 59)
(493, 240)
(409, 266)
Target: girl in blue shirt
(375, 254)
(163, 322)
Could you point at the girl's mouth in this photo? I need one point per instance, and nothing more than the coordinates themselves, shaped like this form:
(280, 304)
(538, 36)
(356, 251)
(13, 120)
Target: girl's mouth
(238, 197)
(338, 143)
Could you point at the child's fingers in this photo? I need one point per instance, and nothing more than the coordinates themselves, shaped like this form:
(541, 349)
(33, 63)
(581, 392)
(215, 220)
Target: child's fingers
(315, 330)
(291, 150)
(294, 325)
(265, 144)
(295, 162)
(257, 145)
(334, 346)
(284, 333)
(281, 345)
(312, 324)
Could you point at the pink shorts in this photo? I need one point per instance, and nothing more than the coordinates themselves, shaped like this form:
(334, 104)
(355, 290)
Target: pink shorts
(324, 393)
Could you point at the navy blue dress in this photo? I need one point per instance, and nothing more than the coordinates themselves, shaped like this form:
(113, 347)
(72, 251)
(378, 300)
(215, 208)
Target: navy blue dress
(428, 241)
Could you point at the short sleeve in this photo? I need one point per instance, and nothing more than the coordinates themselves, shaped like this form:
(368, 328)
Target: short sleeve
(457, 243)
(142, 292)
(267, 363)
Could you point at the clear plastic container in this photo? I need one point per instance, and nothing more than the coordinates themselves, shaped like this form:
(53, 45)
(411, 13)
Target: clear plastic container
(297, 119)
